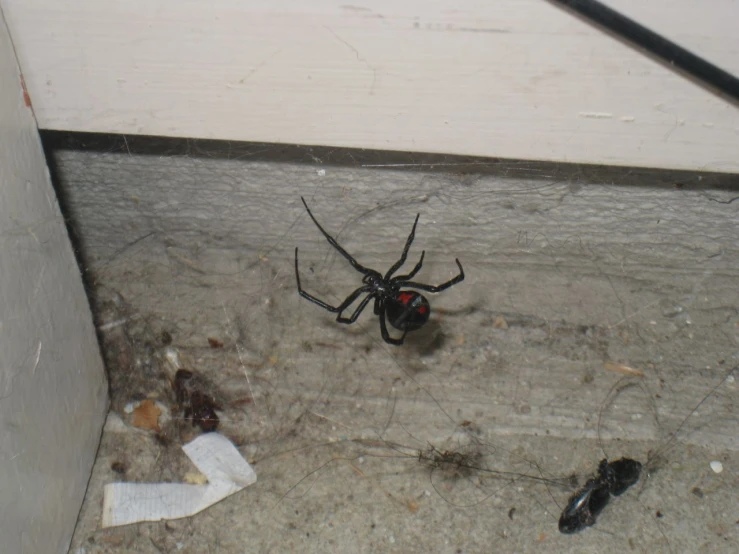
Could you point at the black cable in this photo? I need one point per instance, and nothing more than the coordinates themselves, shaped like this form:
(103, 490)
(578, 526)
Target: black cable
(666, 50)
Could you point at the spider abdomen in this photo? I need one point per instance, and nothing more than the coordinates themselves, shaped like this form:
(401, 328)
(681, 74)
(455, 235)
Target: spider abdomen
(407, 310)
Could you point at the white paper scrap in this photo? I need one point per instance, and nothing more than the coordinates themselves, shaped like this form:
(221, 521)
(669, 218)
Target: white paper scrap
(216, 458)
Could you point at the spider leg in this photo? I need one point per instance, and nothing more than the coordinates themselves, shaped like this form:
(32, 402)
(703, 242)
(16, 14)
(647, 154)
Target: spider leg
(404, 255)
(332, 241)
(333, 309)
(412, 273)
(383, 330)
(377, 306)
(437, 288)
(360, 308)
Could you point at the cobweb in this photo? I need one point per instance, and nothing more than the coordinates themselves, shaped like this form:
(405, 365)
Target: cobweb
(599, 308)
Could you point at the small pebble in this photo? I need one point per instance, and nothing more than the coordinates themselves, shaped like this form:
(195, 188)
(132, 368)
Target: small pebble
(672, 310)
(717, 466)
(172, 357)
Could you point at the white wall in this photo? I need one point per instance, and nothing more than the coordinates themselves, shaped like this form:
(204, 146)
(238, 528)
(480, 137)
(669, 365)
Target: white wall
(53, 393)
(512, 78)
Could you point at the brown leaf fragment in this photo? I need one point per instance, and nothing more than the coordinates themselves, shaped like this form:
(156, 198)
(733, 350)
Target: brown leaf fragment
(146, 416)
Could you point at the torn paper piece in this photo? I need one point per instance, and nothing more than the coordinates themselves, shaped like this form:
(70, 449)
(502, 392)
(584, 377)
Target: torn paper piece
(216, 458)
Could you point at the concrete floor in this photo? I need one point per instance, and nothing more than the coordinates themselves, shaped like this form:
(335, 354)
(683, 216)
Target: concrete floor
(571, 273)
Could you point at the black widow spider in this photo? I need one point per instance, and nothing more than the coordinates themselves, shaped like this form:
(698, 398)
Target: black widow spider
(406, 310)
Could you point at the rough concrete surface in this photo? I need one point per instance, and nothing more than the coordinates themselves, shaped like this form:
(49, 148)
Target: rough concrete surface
(522, 378)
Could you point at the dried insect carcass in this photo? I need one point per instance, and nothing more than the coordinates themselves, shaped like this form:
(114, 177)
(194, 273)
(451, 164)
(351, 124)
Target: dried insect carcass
(585, 505)
(197, 405)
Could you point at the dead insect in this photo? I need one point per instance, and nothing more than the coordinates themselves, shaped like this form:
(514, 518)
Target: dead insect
(455, 463)
(614, 478)
(215, 343)
(202, 411)
(197, 405)
(586, 504)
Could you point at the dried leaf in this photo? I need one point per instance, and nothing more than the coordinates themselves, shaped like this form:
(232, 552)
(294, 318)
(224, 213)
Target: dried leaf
(146, 415)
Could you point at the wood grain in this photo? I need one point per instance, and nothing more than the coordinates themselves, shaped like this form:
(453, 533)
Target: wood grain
(514, 79)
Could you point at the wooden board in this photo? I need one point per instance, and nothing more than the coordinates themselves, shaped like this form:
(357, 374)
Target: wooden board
(514, 78)
(53, 391)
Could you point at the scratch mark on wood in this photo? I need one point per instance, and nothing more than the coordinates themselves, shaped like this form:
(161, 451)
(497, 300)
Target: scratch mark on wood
(358, 55)
(596, 115)
(257, 67)
(479, 30)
